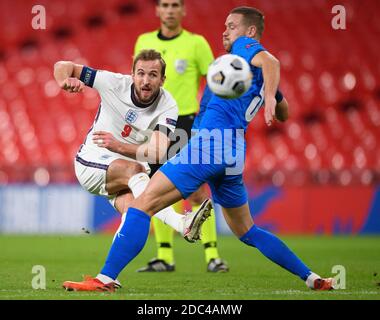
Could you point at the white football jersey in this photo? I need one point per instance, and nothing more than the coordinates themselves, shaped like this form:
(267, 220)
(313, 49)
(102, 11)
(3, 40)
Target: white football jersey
(118, 114)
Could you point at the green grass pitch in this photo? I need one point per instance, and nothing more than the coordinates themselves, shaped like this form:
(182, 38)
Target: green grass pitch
(251, 277)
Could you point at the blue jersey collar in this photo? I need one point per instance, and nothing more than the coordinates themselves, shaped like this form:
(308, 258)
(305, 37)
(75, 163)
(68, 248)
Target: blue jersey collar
(243, 40)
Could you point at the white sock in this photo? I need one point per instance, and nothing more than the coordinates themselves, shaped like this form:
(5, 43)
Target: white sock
(310, 280)
(138, 184)
(105, 279)
(171, 218)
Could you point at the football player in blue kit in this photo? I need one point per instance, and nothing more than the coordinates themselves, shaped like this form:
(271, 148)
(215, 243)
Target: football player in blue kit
(216, 155)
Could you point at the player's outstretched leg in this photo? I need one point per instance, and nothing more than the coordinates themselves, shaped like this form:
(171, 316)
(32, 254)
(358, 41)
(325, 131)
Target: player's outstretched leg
(241, 223)
(192, 223)
(129, 240)
(133, 232)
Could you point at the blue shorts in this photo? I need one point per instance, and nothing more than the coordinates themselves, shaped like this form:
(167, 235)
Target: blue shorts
(227, 189)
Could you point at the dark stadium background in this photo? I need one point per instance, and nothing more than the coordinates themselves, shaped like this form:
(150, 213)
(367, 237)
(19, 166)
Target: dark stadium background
(318, 173)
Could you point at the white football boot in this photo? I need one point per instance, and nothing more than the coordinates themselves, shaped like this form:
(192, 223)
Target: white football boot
(194, 220)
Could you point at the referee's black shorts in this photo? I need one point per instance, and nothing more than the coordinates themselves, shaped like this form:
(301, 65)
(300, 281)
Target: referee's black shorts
(184, 123)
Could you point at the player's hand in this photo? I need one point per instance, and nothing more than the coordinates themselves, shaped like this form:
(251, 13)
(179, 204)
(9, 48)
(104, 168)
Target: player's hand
(270, 111)
(72, 85)
(106, 140)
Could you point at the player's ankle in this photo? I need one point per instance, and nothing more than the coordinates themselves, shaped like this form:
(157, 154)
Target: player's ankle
(104, 279)
(310, 280)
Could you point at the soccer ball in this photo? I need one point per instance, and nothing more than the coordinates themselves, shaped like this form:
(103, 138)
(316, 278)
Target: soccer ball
(229, 76)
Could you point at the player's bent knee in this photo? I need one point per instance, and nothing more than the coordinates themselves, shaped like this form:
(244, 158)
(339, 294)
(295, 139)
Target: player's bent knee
(118, 174)
(127, 169)
(134, 168)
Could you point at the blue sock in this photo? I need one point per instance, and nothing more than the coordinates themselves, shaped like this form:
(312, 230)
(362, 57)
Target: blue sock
(128, 242)
(277, 251)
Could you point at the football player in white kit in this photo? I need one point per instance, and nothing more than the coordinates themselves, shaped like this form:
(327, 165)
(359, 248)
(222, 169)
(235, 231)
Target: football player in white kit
(131, 128)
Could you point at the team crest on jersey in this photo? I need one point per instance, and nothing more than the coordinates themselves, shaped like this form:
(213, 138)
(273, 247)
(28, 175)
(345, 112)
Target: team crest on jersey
(131, 116)
(180, 66)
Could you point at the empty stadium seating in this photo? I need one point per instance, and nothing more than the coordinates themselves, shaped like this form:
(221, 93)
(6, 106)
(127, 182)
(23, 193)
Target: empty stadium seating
(330, 78)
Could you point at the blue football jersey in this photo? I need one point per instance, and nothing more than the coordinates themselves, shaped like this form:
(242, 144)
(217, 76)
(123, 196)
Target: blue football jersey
(237, 113)
(207, 94)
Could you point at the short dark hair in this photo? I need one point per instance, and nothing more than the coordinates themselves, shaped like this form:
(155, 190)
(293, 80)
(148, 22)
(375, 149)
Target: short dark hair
(159, 1)
(251, 16)
(150, 55)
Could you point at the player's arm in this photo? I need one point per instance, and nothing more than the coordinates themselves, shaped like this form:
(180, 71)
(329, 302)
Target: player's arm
(271, 71)
(67, 74)
(151, 151)
(282, 107)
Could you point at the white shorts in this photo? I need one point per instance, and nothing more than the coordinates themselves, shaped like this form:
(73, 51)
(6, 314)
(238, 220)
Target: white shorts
(91, 171)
